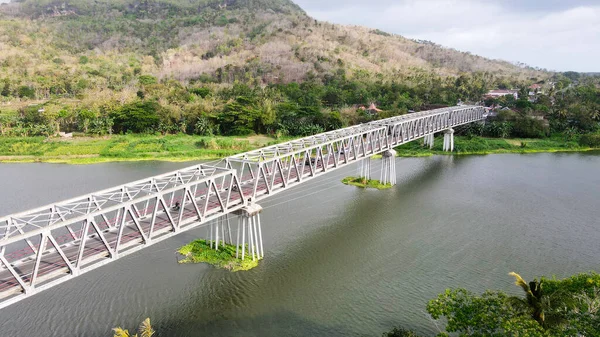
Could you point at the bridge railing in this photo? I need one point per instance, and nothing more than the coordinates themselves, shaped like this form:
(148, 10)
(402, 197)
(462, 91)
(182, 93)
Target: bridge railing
(275, 168)
(84, 233)
(271, 172)
(406, 128)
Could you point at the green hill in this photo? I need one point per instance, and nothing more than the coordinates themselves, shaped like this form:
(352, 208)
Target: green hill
(193, 60)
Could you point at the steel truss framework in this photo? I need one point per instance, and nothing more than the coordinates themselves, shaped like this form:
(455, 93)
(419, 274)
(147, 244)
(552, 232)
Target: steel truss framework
(52, 244)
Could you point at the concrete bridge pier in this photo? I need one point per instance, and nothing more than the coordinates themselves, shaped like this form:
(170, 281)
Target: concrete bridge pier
(249, 221)
(364, 168)
(220, 231)
(449, 140)
(429, 140)
(388, 167)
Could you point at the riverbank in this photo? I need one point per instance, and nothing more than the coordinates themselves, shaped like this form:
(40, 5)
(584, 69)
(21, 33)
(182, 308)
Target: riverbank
(480, 145)
(90, 150)
(199, 251)
(364, 183)
(179, 148)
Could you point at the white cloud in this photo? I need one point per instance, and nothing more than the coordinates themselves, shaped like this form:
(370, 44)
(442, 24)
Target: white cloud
(561, 39)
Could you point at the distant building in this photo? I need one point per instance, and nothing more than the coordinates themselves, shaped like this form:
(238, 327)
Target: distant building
(372, 109)
(535, 89)
(502, 92)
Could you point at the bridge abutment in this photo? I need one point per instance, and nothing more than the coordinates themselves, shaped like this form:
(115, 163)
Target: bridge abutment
(250, 227)
(388, 167)
(449, 140)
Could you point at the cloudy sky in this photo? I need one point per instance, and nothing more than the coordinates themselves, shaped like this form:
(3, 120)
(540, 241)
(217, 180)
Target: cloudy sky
(553, 34)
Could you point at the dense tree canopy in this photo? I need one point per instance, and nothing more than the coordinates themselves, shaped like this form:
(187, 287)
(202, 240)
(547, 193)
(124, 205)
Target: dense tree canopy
(548, 308)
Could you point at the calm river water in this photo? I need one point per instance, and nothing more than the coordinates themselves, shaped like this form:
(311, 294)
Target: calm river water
(340, 261)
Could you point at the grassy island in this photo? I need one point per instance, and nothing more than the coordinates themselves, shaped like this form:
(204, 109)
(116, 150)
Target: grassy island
(199, 251)
(366, 183)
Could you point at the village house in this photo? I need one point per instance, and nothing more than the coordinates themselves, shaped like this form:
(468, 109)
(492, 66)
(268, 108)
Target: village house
(501, 93)
(372, 109)
(535, 89)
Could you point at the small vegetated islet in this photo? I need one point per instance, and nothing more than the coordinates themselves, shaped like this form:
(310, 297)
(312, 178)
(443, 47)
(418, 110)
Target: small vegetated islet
(366, 183)
(224, 257)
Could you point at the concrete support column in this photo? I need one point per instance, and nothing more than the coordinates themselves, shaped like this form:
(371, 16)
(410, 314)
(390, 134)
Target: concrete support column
(449, 140)
(249, 217)
(364, 168)
(429, 140)
(388, 167)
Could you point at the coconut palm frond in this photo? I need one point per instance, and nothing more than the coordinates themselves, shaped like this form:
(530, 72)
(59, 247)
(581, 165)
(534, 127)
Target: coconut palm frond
(145, 329)
(520, 281)
(121, 333)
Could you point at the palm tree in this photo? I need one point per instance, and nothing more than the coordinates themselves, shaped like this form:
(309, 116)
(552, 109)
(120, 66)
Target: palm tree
(145, 330)
(533, 297)
(544, 308)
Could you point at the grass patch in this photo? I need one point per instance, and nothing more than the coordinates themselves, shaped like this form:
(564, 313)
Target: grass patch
(481, 145)
(89, 150)
(366, 183)
(199, 251)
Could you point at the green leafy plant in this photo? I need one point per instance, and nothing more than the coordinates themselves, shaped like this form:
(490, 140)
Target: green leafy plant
(144, 330)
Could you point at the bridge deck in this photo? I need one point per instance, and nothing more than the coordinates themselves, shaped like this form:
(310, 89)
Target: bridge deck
(47, 246)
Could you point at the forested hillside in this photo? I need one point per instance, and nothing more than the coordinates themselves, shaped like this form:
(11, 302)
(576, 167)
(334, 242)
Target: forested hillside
(228, 66)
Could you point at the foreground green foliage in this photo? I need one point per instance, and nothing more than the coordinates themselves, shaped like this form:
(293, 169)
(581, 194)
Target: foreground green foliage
(144, 330)
(200, 251)
(489, 314)
(366, 183)
(550, 308)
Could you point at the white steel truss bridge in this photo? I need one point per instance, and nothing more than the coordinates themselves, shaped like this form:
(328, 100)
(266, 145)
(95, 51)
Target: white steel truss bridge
(46, 246)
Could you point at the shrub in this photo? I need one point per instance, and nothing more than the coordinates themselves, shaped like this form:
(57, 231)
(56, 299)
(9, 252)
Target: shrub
(590, 140)
(380, 32)
(222, 21)
(147, 79)
(26, 92)
(201, 92)
(529, 128)
(136, 117)
(204, 127)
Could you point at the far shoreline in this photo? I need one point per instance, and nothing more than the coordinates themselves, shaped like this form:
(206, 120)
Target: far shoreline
(97, 152)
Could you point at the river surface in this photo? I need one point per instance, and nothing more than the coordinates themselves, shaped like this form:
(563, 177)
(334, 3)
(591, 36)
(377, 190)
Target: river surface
(340, 261)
